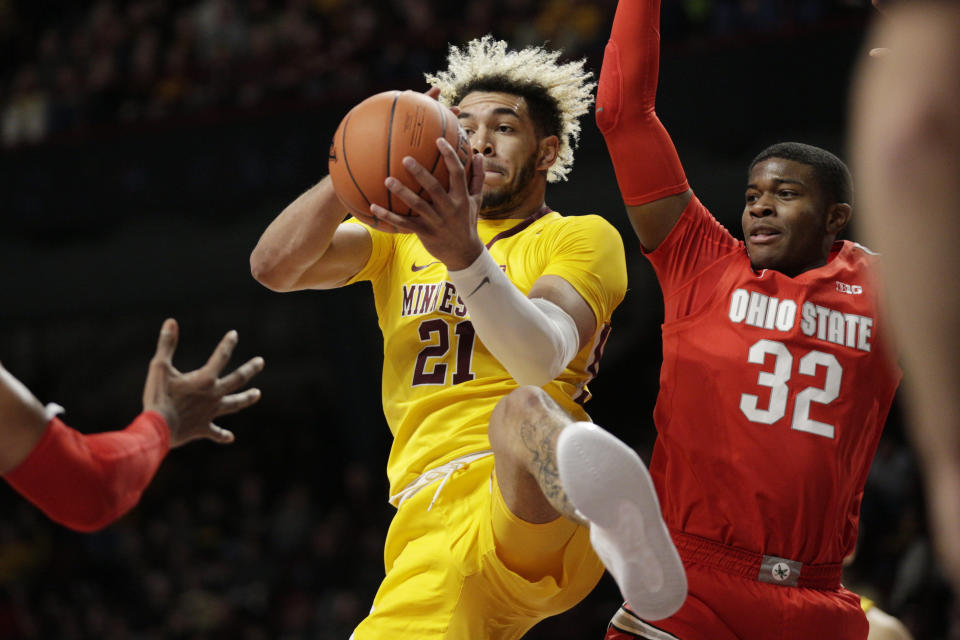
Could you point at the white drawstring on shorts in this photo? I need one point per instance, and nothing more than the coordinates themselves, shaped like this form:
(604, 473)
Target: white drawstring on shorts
(443, 473)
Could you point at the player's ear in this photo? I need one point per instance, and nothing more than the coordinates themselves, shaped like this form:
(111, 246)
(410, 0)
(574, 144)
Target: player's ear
(547, 152)
(838, 217)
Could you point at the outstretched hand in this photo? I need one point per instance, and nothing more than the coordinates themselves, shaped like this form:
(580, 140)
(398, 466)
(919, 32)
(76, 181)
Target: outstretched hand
(190, 401)
(447, 223)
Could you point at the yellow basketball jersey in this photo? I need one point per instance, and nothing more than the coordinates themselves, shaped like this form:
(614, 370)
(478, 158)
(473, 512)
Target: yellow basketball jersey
(440, 384)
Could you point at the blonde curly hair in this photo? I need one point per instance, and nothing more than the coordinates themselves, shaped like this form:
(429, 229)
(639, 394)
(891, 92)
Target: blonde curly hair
(564, 89)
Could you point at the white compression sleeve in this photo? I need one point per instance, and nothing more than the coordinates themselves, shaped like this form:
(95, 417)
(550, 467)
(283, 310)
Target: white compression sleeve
(533, 339)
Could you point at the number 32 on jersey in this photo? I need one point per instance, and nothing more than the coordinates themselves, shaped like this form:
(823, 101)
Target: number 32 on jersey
(777, 380)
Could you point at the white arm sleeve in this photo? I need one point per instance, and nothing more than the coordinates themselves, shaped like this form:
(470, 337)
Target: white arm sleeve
(533, 339)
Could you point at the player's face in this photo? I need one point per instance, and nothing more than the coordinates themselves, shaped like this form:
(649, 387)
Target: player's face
(785, 217)
(500, 128)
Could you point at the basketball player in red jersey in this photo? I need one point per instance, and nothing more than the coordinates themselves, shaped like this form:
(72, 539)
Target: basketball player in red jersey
(775, 382)
(85, 482)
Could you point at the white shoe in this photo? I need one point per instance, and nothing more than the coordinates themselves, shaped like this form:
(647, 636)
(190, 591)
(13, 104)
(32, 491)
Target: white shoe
(608, 483)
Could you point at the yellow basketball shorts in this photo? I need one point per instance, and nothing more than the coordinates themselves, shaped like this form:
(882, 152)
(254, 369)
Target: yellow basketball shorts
(469, 569)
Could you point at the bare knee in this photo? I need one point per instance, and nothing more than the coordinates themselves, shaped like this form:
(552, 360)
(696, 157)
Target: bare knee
(524, 405)
(524, 429)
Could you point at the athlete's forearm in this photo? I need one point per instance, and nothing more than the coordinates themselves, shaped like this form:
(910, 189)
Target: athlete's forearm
(297, 238)
(534, 340)
(644, 158)
(85, 482)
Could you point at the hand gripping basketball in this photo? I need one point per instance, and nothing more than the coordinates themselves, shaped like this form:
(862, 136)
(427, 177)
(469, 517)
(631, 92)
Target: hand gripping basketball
(375, 136)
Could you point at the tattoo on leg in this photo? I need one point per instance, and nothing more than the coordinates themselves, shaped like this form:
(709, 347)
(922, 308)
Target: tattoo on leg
(538, 440)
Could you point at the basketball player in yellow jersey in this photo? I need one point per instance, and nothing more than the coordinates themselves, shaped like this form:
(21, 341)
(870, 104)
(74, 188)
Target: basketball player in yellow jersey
(486, 289)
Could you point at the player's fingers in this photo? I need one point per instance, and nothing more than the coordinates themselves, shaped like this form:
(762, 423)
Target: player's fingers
(427, 180)
(433, 92)
(238, 401)
(160, 372)
(426, 210)
(400, 224)
(458, 183)
(476, 174)
(240, 376)
(167, 342)
(221, 355)
(219, 434)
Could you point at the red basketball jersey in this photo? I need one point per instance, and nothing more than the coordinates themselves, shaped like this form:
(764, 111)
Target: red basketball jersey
(773, 394)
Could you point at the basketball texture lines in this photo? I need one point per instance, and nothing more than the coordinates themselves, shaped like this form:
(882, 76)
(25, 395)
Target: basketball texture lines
(375, 136)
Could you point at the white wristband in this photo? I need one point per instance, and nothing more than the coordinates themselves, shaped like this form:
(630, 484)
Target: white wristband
(533, 339)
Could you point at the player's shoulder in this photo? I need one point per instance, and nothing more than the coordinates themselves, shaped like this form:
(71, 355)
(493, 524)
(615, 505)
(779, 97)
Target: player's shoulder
(857, 252)
(589, 223)
(855, 258)
(377, 235)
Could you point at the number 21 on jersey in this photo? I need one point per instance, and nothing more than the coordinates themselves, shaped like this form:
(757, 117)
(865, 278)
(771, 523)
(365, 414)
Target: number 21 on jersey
(439, 335)
(777, 380)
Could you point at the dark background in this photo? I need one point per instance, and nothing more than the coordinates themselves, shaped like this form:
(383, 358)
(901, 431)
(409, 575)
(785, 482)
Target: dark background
(145, 147)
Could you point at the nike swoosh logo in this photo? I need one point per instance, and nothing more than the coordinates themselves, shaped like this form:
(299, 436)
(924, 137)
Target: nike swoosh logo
(416, 267)
(485, 280)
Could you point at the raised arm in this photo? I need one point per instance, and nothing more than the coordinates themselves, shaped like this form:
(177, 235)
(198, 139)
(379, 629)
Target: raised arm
(307, 247)
(648, 170)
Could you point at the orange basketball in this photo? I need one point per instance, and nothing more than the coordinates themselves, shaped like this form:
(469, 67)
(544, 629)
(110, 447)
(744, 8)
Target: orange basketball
(373, 138)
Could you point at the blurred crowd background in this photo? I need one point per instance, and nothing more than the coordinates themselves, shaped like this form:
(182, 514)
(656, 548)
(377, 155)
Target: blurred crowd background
(146, 144)
(79, 66)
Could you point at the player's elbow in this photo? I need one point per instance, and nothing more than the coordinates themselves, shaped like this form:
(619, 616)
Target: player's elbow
(530, 378)
(542, 364)
(268, 272)
(536, 374)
